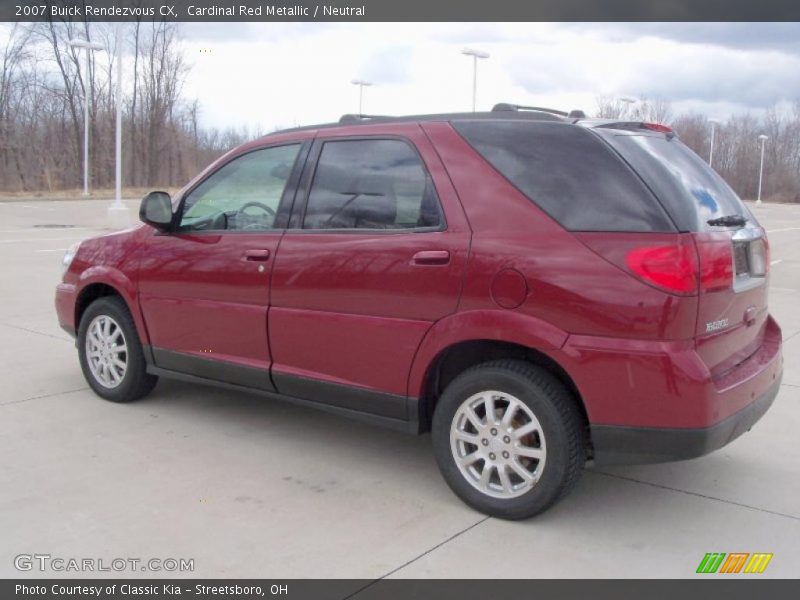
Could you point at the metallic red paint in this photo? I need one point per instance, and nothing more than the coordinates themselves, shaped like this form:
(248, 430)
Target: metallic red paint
(509, 288)
(200, 296)
(353, 306)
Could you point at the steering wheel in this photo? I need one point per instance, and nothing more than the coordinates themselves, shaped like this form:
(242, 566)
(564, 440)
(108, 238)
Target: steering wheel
(263, 207)
(241, 213)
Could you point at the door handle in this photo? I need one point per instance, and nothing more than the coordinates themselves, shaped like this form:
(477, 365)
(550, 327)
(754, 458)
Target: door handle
(258, 255)
(431, 258)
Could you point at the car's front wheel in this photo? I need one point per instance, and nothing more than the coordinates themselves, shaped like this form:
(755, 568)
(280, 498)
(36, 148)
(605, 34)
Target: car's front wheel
(508, 438)
(110, 352)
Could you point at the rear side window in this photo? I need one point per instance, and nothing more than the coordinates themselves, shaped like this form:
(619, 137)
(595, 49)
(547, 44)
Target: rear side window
(371, 184)
(691, 190)
(569, 173)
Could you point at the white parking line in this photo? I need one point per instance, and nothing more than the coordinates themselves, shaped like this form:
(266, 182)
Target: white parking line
(784, 229)
(42, 229)
(53, 250)
(74, 239)
(776, 262)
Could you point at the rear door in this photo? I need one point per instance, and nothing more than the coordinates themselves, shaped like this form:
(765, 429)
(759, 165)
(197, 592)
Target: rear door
(374, 255)
(731, 245)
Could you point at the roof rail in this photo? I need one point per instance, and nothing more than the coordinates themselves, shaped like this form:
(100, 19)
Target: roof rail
(506, 107)
(356, 118)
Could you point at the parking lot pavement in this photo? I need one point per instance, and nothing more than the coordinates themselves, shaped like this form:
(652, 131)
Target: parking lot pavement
(248, 487)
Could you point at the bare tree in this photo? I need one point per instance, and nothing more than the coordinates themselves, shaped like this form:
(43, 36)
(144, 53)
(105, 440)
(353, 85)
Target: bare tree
(609, 107)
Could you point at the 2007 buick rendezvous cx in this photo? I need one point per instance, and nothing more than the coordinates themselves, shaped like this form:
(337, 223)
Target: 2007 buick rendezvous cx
(535, 288)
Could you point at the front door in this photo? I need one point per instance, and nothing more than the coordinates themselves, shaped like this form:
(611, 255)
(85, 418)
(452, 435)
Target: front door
(204, 288)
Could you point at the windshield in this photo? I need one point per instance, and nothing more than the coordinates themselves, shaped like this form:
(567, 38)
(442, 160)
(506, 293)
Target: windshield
(692, 192)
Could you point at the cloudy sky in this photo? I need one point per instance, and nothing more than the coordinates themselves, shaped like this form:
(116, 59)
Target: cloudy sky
(268, 75)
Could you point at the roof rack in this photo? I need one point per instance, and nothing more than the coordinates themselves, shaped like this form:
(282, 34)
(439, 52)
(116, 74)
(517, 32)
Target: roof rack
(506, 107)
(359, 119)
(356, 118)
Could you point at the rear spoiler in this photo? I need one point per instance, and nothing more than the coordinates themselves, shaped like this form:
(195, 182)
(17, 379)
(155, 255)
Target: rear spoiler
(638, 126)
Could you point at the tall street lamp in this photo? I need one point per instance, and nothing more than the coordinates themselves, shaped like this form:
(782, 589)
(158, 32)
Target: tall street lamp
(361, 83)
(89, 47)
(475, 54)
(627, 102)
(117, 211)
(763, 139)
(714, 123)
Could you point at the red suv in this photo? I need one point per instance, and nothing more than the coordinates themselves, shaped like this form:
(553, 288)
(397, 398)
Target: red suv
(536, 289)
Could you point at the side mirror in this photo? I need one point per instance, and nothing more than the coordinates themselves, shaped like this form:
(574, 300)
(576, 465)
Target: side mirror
(156, 210)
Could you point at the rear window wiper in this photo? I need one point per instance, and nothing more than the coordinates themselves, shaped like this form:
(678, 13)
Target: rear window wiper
(728, 221)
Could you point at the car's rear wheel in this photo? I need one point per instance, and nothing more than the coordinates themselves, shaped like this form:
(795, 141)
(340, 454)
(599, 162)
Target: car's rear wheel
(508, 438)
(110, 352)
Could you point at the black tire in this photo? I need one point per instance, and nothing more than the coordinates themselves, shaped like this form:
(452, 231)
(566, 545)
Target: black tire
(136, 382)
(561, 423)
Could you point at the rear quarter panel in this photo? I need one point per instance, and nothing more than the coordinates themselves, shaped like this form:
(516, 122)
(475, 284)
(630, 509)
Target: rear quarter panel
(569, 285)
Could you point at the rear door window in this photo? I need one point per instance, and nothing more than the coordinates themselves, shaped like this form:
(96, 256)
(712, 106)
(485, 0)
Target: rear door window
(691, 190)
(371, 184)
(569, 173)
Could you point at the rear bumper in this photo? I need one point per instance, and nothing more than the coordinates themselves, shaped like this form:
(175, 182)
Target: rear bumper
(666, 384)
(638, 445)
(657, 401)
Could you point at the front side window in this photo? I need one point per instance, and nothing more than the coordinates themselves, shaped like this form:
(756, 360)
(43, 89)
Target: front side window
(371, 184)
(243, 195)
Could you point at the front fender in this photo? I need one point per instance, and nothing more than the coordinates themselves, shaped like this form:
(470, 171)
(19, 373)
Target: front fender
(494, 325)
(126, 288)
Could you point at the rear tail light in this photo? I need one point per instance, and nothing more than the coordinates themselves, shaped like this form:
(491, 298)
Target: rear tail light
(716, 266)
(672, 267)
(681, 264)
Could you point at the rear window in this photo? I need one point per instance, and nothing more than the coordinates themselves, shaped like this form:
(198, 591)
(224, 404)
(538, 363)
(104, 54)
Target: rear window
(569, 173)
(691, 191)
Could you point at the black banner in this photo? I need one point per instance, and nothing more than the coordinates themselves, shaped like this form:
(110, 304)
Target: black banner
(405, 10)
(399, 589)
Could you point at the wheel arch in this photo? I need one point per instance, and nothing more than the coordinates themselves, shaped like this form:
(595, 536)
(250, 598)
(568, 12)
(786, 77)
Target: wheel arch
(461, 356)
(89, 294)
(467, 339)
(99, 282)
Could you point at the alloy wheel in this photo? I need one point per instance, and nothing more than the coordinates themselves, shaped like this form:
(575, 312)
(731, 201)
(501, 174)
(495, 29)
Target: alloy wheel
(106, 351)
(498, 444)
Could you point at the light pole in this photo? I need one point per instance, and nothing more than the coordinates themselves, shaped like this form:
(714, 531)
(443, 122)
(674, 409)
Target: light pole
(117, 211)
(714, 123)
(763, 139)
(361, 83)
(628, 102)
(475, 54)
(89, 47)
